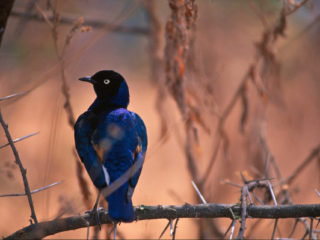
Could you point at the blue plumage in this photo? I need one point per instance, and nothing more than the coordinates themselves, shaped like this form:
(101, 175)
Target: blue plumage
(110, 139)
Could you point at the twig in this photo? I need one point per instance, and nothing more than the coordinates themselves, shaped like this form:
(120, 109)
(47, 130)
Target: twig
(175, 229)
(264, 54)
(32, 192)
(88, 232)
(53, 24)
(294, 228)
(310, 230)
(228, 229)
(47, 228)
(20, 139)
(22, 169)
(314, 153)
(164, 230)
(274, 228)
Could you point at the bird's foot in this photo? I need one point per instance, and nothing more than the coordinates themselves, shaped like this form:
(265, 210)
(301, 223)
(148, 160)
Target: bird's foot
(95, 213)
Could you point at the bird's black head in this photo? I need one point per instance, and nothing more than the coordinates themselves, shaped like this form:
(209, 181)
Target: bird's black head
(110, 87)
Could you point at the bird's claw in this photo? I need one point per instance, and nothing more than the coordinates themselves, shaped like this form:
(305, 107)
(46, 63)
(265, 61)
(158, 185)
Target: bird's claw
(95, 213)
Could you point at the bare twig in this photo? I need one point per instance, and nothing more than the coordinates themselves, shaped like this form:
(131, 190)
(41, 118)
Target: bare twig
(32, 192)
(264, 56)
(294, 228)
(155, 50)
(53, 24)
(315, 153)
(274, 228)
(311, 229)
(165, 229)
(19, 139)
(22, 169)
(233, 222)
(175, 229)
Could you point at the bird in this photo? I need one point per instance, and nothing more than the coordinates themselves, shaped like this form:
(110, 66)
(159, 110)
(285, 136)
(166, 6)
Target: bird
(110, 141)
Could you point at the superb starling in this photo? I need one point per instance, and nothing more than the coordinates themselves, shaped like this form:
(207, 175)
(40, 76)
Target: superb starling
(110, 139)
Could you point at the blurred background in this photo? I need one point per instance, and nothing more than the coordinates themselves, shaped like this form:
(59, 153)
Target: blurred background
(119, 35)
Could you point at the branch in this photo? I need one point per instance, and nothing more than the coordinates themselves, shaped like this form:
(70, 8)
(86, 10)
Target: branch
(32, 192)
(22, 169)
(93, 23)
(47, 228)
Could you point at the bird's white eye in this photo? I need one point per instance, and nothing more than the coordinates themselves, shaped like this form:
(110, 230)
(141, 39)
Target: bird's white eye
(106, 81)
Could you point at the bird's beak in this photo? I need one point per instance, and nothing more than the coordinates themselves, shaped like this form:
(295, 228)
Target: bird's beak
(87, 79)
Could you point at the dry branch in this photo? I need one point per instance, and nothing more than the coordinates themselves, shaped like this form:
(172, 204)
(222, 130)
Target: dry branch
(47, 228)
(22, 169)
(53, 23)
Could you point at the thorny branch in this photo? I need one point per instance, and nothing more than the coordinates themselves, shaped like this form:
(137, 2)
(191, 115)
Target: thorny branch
(22, 169)
(47, 228)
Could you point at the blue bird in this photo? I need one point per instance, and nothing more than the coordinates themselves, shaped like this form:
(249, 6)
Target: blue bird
(109, 140)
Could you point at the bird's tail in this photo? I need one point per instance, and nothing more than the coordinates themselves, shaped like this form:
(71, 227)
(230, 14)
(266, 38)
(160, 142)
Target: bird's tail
(120, 208)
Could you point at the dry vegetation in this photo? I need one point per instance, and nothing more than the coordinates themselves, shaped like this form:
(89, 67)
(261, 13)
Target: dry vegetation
(229, 92)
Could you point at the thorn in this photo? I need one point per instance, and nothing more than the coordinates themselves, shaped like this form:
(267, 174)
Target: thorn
(232, 229)
(199, 193)
(115, 231)
(272, 193)
(317, 192)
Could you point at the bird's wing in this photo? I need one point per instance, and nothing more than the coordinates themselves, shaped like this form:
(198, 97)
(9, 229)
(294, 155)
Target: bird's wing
(140, 151)
(83, 130)
(122, 139)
